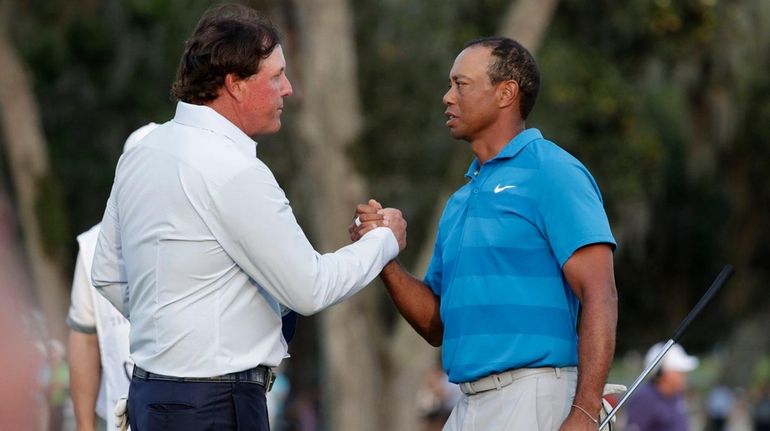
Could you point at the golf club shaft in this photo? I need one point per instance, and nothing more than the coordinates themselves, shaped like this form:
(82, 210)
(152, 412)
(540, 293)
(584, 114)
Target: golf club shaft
(720, 281)
(636, 383)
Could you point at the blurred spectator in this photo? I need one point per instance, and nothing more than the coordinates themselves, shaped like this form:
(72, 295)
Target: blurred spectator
(58, 386)
(302, 411)
(276, 402)
(436, 398)
(761, 413)
(660, 405)
(719, 403)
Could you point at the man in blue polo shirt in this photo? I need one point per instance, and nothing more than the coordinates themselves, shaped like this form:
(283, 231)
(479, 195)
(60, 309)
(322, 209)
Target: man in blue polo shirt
(521, 248)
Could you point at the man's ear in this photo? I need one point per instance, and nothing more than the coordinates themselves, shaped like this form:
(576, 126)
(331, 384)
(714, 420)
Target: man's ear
(233, 85)
(507, 93)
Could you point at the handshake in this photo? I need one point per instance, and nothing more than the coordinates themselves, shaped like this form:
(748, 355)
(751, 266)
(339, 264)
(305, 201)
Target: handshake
(372, 215)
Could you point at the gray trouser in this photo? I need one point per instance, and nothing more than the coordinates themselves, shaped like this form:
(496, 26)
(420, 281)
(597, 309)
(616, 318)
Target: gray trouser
(537, 399)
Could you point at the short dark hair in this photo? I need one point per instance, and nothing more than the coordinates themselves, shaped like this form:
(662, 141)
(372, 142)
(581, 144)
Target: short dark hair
(230, 38)
(512, 62)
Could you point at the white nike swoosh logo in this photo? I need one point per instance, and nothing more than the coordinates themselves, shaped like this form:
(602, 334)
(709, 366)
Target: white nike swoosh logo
(500, 188)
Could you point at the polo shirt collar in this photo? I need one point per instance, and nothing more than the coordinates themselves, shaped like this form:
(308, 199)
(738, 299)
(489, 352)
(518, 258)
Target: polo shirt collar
(203, 117)
(510, 150)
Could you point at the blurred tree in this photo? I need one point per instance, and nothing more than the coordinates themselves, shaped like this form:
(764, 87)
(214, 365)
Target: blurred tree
(737, 119)
(329, 119)
(362, 359)
(665, 102)
(22, 402)
(39, 201)
(101, 69)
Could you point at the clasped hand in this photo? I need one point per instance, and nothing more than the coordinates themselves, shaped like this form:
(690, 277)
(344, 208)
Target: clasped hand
(372, 215)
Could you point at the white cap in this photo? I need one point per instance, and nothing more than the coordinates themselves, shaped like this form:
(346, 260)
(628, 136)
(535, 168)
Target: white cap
(137, 135)
(676, 359)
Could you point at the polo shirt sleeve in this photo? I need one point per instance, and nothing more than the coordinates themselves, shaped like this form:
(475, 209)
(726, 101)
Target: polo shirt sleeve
(435, 271)
(571, 209)
(81, 316)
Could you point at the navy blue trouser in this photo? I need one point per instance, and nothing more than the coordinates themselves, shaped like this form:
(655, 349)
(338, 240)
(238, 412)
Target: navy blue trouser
(155, 405)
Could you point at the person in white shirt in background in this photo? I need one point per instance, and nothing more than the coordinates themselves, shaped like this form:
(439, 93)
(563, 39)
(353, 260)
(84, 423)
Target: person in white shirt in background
(199, 247)
(100, 367)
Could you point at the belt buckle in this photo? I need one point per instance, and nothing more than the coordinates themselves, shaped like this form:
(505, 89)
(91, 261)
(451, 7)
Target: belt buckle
(269, 379)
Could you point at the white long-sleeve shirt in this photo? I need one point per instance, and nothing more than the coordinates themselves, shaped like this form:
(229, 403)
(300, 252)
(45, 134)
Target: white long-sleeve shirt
(199, 246)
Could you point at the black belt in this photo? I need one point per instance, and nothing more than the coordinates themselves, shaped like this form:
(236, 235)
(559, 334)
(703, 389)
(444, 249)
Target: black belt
(260, 375)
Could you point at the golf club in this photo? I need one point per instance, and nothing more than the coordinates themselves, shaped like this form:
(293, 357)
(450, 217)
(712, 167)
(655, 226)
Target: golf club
(720, 281)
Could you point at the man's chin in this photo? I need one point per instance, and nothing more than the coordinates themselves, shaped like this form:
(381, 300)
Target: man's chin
(456, 134)
(269, 130)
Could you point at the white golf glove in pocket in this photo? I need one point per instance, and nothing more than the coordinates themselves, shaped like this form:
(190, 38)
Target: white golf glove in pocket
(609, 389)
(121, 414)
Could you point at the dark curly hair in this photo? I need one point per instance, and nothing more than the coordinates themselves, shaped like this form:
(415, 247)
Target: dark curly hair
(230, 38)
(512, 62)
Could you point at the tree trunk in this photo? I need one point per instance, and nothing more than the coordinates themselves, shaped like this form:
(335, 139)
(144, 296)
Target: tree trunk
(34, 186)
(329, 121)
(526, 21)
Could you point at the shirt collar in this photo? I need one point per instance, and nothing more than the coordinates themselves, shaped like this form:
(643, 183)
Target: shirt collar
(510, 150)
(203, 117)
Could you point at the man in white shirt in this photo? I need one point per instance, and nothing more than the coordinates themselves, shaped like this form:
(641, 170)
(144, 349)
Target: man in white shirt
(199, 247)
(100, 366)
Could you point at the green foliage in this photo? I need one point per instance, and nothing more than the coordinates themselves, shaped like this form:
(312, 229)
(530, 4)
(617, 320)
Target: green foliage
(50, 214)
(588, 106)
(658, 97)
(101, 69)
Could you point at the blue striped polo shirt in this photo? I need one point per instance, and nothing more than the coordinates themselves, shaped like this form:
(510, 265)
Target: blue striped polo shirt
(502, 241)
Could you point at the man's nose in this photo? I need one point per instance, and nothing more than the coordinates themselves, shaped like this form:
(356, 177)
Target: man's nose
(448, 98)
(287, 89)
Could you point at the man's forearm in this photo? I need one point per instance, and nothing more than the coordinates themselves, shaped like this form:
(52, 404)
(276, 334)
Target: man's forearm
(590, 275)
(415, 301)
(596, 347)
(85, 376)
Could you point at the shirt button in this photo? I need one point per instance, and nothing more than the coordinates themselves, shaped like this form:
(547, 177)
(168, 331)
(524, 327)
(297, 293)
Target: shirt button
(476, 173)
(475, 190)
